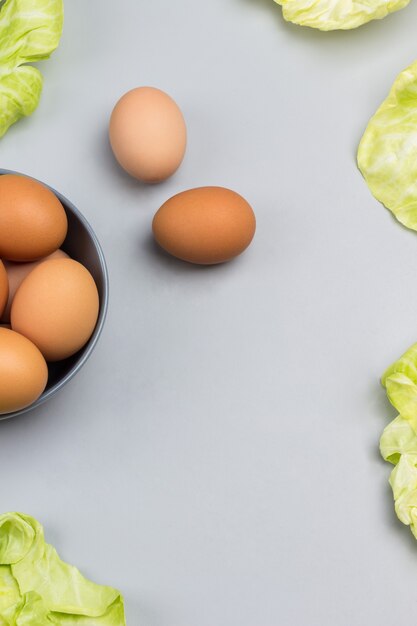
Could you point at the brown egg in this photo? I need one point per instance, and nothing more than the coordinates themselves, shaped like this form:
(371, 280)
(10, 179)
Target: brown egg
(33, 222)
(17, 272)
(4, 287)
(148, 134)
(205, 225)
(56, 307)
(23, 372)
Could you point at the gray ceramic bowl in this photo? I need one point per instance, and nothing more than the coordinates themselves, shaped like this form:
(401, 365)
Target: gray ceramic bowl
(82, 245)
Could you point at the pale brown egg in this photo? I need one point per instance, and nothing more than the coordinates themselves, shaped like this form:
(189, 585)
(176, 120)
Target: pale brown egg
(205, 225)
(4, 287)
(33, 222)
(17, 272)
(56, 307)
(148, 134)
(23, 372)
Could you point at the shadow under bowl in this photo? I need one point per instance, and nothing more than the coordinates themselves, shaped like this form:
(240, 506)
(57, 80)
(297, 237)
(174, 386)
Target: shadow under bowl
(82, 245)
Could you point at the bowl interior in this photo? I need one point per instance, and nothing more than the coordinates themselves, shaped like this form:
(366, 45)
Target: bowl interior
(81, 244)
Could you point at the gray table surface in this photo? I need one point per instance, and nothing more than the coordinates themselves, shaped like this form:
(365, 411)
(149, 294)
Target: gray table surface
(217, 458)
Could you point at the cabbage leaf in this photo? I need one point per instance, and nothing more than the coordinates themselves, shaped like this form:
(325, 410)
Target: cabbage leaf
(19, 95)
(398, 444)
(398, 438)
(387, 154)
(38, 589)
(403, 482)
(400, 381)
(337, 14)
(30, 31)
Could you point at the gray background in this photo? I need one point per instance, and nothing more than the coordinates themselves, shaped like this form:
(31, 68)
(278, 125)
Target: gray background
(217, 458)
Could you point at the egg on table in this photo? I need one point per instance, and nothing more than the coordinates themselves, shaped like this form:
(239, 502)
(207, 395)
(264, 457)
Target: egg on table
(23, 372)
(56, 307)
(147, 134)
(205, 225)
(33, 222)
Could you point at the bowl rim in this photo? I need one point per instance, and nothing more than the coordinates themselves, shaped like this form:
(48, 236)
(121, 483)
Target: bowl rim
(104, 302)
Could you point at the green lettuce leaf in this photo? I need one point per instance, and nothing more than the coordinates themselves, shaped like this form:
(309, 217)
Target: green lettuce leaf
(20, 92)
(406, 364)
(30, 31)
(28, 611)
(398, 443)
(9, 589)
(400, 380)
(403, 481)
(38, 589)
(337, 14)
(387, 154)
(398, 438)
(402, 393)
